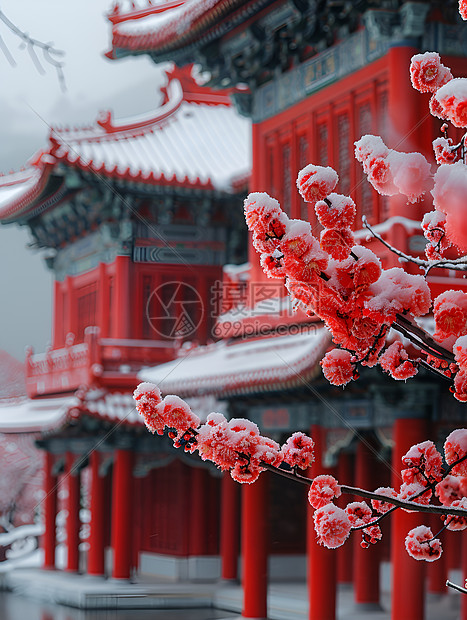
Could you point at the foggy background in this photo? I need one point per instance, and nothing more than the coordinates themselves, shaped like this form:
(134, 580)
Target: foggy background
(29, 104)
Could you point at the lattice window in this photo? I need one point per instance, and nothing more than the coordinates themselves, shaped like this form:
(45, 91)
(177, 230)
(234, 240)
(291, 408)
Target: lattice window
(344, 155)
(86, 307)
(365, 196)
(286, 180)
(383, 130)
(323, 146)
(302, 162)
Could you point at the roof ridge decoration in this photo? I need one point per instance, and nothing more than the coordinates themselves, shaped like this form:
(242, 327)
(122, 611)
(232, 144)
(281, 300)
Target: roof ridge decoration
(116, 16)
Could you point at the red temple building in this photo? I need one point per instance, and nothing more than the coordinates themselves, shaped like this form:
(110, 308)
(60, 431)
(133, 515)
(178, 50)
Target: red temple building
(136, 219)
(126, 211)
(319, 76)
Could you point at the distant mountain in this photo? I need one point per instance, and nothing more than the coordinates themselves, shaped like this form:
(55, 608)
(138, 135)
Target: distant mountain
(12, 379)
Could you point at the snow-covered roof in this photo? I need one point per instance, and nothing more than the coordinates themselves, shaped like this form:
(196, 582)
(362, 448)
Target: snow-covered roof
(29, 416)
(167, 26)
(194, 139)
(242, 367)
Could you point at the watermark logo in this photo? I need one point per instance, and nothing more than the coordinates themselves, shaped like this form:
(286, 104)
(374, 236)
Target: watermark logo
(175, 310)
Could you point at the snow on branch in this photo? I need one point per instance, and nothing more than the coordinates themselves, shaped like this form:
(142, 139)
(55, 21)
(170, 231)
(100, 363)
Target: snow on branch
(50, 54)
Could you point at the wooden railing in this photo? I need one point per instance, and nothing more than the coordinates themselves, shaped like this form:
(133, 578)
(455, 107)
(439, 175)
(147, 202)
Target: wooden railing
(97, 361)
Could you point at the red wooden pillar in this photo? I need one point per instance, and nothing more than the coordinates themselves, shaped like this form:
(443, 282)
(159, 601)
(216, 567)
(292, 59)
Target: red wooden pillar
(96, 565)
(254, 548)
(229, 526)
(322, 562)
(408, 575)
(345, 553)
(366, 561)
(73, 507)
(121, 306)
(122, 498)
(198, 506)
(50, 510)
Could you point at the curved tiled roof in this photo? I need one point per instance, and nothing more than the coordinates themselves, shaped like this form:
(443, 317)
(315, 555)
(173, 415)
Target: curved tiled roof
(224, 369)
(194, 139)
(167, 28)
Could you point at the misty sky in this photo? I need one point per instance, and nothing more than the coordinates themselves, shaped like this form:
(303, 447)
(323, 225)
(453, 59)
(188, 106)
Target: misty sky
(29, 104)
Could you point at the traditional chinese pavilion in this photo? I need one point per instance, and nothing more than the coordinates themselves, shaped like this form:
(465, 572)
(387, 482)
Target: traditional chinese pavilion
(136, 219)
(320, 75)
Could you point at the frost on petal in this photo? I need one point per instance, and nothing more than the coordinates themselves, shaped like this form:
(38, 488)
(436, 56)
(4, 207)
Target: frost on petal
(450, 314)
(463, 9)
(455, 448)
(338, 367)
(450, 489)
(455, 522)
(381, 506)
(397, 291)
(298, 450)
(414, 492)
(337, 243)
(396, 362)
(337, 212)
(323, 490)
(452, 98)
(332, 526)
(147, 398)
(421, 546)
(178, 415)
(428, 73)
(426, 458)
(359, 513)
(316, 182)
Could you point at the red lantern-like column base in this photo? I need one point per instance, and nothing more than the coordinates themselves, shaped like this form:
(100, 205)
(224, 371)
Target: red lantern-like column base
(122, 497)
(50, 512)
(254, 548)
(408, 575)
(229, 527)
(322, 562)
(96, 564)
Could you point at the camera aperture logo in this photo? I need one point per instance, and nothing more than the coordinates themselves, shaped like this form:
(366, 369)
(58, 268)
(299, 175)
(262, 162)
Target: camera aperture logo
(175, 310)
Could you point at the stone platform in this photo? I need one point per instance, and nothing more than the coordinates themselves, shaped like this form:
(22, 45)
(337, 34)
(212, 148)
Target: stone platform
(286, 601)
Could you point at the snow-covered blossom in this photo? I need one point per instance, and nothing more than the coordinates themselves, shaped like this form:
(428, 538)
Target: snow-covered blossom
(323, 490)
(463, 9)
(337, 242)
(338, 367)
(452, 98)
(395, 360)
(443, 151)
(298, 450)
(380, 506)
(316, 182)
(455, 522)
(455, 448)
(332, 526)
(428, 73)
(420, 544)
(434, 229)
(450, 314)
(391, 172)
(359, 513)
(337, 211)
(425, 458)
(451, 489)
(414, 492)
(147, 396)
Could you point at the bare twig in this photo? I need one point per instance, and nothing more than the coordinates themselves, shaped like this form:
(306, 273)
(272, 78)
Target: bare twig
(458, 264)
(454, 586)
(49, 52)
